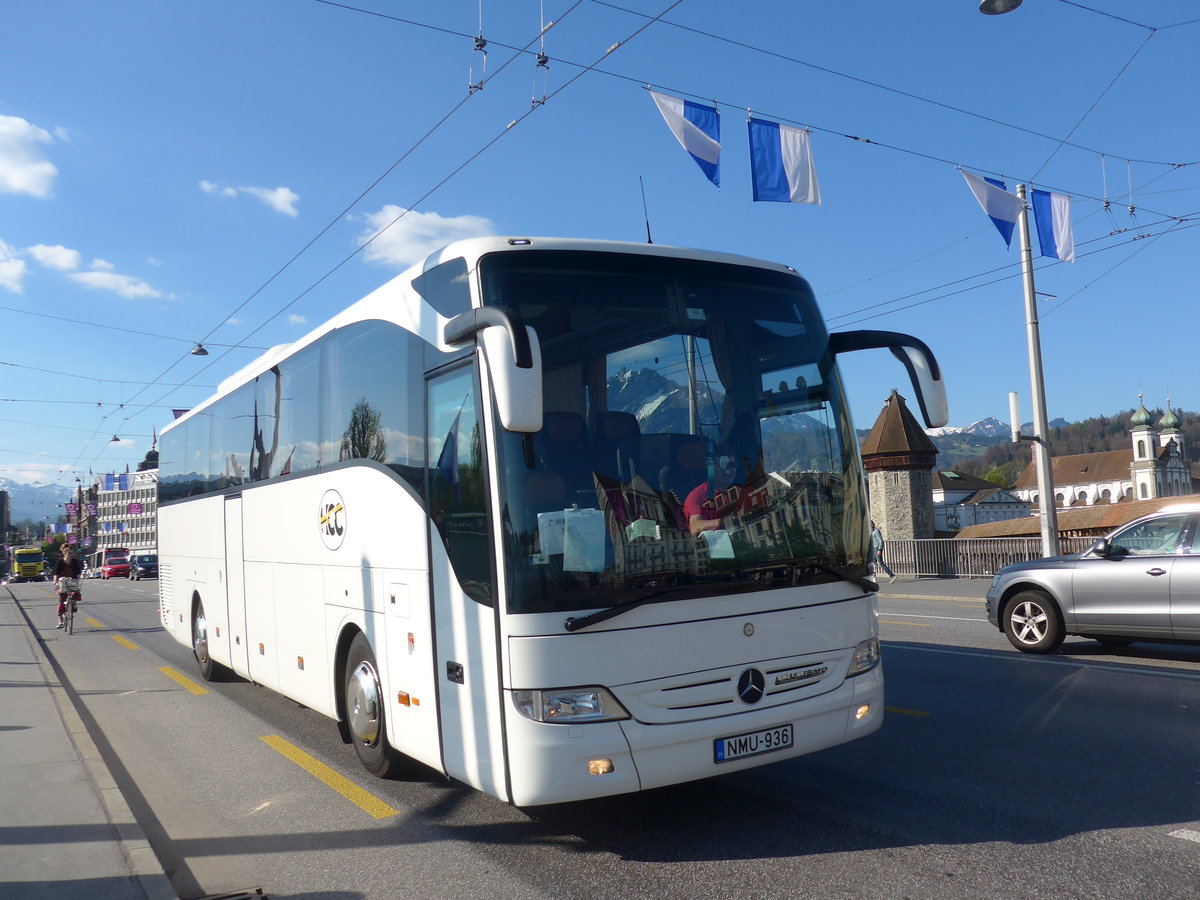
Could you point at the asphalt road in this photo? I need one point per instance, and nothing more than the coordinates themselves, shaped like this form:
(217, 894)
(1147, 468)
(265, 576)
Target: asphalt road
(996, 774)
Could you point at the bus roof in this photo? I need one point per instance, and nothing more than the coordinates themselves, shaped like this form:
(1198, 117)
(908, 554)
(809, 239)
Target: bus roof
(395, 300)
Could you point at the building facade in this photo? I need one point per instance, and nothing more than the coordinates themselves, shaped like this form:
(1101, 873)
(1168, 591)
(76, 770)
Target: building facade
(127, 511)
(960, 501)
(1155, 466)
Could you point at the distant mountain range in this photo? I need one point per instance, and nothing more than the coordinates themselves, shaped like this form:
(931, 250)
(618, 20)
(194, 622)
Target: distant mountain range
(988, 428)
(34, 501)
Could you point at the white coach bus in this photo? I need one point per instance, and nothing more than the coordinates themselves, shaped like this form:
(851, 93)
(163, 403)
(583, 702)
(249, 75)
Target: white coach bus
(557, 518)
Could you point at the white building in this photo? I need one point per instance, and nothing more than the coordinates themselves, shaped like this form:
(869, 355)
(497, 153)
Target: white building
(127, 510)
(1155, 466)
(963, 500)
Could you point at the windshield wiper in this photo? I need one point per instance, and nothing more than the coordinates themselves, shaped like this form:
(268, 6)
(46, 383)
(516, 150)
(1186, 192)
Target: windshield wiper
(574, 624)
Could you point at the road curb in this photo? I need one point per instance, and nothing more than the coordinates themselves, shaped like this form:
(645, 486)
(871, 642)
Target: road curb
(143, 864)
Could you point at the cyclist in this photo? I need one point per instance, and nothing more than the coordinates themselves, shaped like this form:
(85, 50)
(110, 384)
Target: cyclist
(66, 573)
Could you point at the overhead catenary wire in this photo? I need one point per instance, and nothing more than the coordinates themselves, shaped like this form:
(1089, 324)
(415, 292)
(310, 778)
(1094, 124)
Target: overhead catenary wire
(429, 192)
(864, 140)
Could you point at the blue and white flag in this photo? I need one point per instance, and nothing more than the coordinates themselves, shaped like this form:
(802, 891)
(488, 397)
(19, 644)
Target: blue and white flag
(1002, 207)
(697, 128)
(781, 163)
(1052, 213)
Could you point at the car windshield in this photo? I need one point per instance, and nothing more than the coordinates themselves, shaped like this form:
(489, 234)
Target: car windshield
(1154, 537)
(695, 437)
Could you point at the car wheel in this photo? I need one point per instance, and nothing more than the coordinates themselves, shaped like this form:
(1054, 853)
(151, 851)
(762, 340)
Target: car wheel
(365, 716)
(210, 669)
(1033, 623)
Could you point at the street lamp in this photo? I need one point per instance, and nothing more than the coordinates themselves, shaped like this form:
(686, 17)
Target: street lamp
(997, 7)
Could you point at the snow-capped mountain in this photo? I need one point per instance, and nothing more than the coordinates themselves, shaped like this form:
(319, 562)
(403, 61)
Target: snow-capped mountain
(36, 501)
(989, 427)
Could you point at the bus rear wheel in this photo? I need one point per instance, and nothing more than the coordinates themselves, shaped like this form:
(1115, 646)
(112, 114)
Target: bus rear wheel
(363, 695)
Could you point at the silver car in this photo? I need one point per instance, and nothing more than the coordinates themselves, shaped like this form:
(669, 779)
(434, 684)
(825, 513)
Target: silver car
(1139, 583)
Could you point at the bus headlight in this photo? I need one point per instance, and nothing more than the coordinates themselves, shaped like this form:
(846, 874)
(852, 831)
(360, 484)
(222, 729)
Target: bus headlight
(569, 705)
(866, 657)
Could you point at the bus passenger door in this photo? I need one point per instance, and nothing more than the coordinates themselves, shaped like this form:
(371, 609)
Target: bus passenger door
(467, 665)
(235, 586)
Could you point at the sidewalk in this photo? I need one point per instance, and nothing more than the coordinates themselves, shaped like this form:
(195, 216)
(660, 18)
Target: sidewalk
(65, 830)
(911, 587)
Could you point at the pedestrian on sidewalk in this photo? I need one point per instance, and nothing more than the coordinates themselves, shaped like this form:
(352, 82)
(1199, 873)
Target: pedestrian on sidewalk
(877, 551)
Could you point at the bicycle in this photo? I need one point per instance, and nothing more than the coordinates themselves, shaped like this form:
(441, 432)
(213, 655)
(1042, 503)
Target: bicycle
(68, 599)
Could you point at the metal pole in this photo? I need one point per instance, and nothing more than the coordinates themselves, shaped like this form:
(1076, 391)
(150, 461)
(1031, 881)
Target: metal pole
(1041, 428)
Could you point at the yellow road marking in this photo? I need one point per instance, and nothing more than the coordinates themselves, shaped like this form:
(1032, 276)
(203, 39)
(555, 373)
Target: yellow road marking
(182, 680)
(913, 624)
(901, 711)
(348, 789)
(93, 622)
(125, 642)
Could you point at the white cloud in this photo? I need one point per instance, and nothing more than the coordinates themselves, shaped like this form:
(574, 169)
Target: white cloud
(297, 320)
(280, 199)
(24, 168)
(233, 320)
(57, 257)
(209, 188)
(12, 269)
(103, 264)
(123, 285)
(417, 234)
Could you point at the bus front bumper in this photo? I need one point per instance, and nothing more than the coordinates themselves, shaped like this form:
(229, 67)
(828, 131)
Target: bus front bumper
(552, 763)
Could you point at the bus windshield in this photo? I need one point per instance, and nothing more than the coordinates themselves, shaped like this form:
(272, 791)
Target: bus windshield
(695, 439)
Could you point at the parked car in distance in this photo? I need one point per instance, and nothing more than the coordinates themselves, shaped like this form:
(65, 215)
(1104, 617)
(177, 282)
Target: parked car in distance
(143, 565)
(1138, 583)
(115, 567)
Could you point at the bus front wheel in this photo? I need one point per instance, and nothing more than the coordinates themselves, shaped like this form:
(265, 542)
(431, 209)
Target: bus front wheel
(210, 669)
(365, 716)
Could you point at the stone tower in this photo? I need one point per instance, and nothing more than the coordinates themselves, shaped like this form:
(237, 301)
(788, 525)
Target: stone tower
(899, 459)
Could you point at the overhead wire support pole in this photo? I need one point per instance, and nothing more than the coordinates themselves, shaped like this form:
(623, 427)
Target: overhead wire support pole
(1041, 427)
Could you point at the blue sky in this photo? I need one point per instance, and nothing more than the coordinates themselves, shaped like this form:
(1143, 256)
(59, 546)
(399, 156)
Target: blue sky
(162, 164)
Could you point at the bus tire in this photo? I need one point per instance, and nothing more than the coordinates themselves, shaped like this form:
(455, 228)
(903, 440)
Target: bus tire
(210, 669)
(365, 717)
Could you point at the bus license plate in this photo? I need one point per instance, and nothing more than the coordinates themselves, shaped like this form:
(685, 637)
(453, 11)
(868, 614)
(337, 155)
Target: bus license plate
(768, 740)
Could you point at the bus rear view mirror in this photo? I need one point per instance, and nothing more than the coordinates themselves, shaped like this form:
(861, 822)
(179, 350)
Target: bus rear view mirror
(518, 390)
(918, 359)
(513, 358)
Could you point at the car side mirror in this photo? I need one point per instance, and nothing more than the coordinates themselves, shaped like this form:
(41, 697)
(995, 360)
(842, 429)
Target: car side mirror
(1101, 548)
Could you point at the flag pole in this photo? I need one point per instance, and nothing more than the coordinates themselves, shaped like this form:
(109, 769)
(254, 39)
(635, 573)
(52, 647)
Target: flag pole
(1041, 428)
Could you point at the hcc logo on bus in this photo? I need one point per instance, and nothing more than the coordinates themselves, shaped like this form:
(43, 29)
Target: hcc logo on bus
(332, 519)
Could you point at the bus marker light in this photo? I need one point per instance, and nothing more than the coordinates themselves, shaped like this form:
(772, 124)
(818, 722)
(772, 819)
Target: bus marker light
(300, 663)
(600, 766)
(402, 698)
(262, 650)
(862, 712)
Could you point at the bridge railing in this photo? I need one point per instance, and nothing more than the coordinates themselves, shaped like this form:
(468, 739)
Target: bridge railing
(971, 557)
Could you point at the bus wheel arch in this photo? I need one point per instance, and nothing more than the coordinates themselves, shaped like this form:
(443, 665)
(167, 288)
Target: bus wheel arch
(362, 708)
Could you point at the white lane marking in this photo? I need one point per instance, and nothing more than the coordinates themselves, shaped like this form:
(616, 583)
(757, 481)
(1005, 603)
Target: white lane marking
(1186, 834)
(1043, 661)
(948, 619)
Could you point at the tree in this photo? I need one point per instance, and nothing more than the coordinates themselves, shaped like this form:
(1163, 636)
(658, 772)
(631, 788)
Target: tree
(364, 438)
